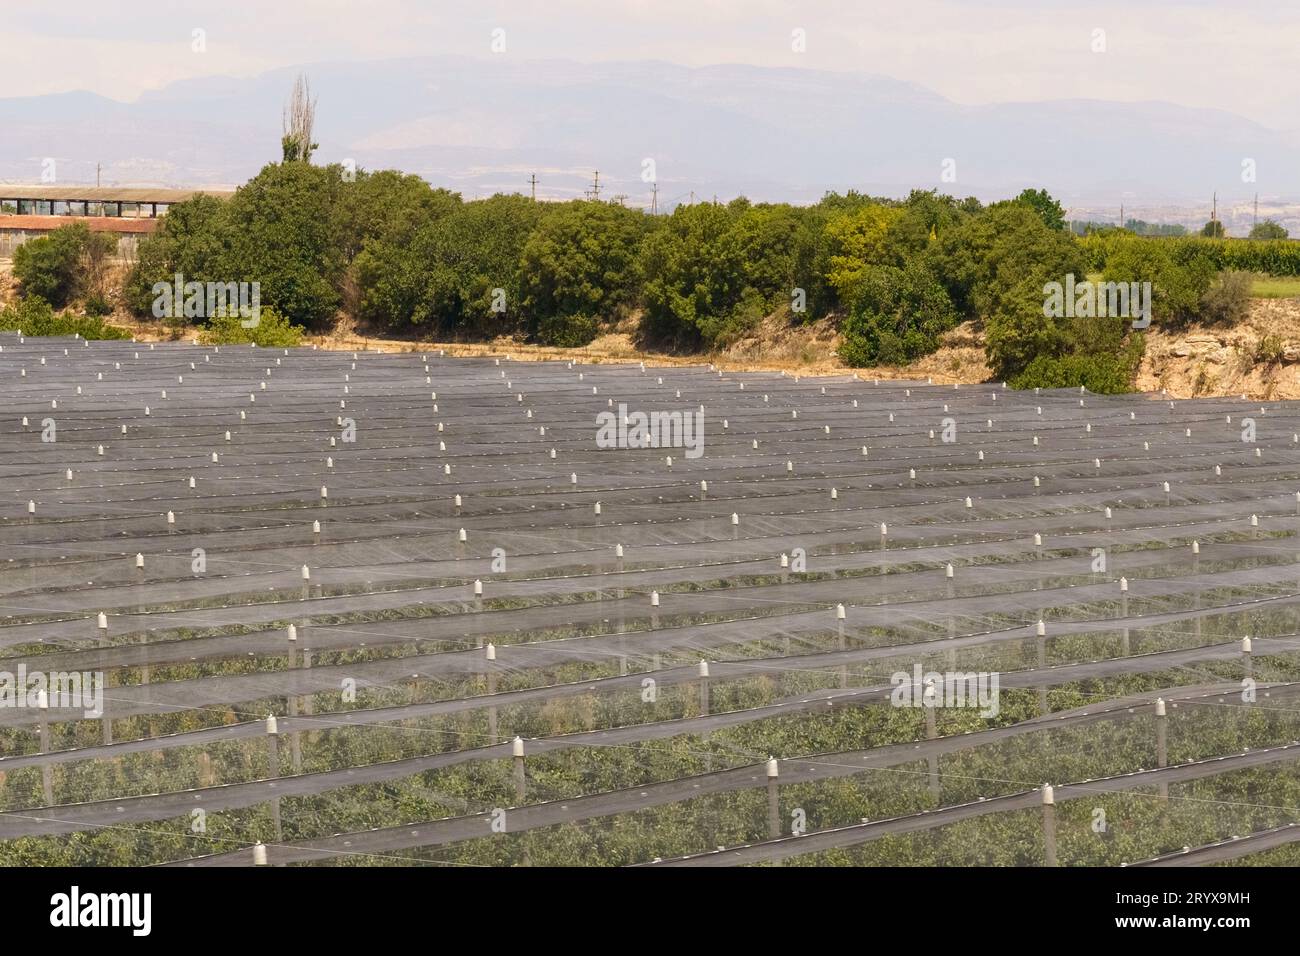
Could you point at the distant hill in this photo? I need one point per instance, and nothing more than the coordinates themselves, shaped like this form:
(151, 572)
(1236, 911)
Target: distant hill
(485, 125)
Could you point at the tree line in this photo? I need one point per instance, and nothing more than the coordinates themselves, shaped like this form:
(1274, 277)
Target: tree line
(406, 258)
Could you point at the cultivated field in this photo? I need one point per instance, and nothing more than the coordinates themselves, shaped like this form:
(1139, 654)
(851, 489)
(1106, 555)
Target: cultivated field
(652, 626)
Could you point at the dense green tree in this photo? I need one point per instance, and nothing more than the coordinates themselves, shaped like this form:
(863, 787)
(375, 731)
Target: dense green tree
(68, 262)
(1051, 211)
(1213, 229)
(711, 272)
(187, 242)
(898, 317)
(983, 258)
(460, 273)
(390, 207)
(927, 214)
(475, 284)
(860, 240)
(832, 203)
(1000, 264)
(582, 261)
(1021, 329)
(1268, 229)
(693, 279)
(284, 228)
(1177, 287)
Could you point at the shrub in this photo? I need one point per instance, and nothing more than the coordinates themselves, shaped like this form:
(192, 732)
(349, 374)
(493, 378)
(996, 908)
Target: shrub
(1104, 374)
(1269, 349)
(34, 316)
(98, 305)
(68, 262)
(567, 331)
(1227, 299)
(272, 330)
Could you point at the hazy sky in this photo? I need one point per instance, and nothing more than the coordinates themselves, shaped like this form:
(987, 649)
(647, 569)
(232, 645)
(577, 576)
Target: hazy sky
(1237, 55)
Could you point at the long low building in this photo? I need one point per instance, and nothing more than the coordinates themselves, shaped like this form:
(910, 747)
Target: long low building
(28, 212)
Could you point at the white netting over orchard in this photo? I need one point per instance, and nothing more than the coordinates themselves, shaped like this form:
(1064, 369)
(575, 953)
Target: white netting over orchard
(406, 608)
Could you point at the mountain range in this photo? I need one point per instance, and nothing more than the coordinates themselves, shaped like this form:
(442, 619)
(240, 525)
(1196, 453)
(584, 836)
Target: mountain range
(486, 125)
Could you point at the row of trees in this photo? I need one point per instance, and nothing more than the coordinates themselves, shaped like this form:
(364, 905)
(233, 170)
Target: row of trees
(1265, 230)
(400, 255)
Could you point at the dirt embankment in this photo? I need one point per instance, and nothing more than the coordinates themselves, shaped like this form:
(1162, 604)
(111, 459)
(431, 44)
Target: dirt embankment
(1258, 357)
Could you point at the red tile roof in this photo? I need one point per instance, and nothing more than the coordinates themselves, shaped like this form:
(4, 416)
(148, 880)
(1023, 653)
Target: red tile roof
(96, 223)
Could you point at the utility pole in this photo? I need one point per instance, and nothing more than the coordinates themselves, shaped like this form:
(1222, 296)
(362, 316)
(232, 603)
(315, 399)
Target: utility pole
(1214, 210)
(692, 197)
(654, 199)
(533, 182)
(99, 167)
(1121, 215)
(595, 187)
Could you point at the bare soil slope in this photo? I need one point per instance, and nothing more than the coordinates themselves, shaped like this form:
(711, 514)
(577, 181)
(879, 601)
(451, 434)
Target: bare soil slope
(1259, 357)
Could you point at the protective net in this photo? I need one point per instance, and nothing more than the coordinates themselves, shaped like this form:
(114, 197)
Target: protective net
(304, 607)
